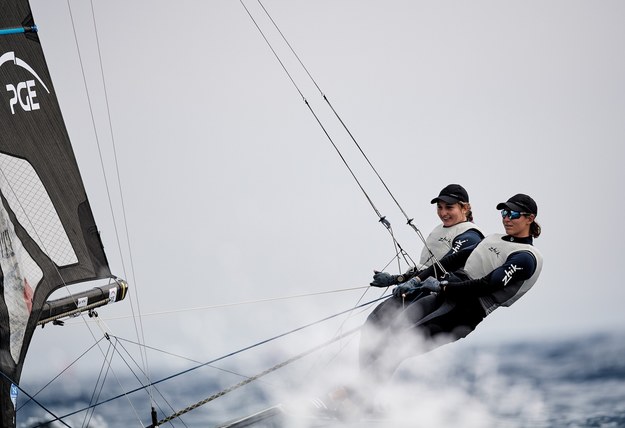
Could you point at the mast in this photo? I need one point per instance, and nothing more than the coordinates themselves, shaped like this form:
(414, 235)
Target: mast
(48, 236)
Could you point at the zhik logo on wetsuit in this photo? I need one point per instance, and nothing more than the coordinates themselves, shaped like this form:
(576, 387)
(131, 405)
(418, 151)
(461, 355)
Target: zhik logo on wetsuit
(458, 245)
(508, 273)
(22, 94)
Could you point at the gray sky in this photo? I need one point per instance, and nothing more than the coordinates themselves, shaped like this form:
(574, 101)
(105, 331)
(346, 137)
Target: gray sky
(233, 193)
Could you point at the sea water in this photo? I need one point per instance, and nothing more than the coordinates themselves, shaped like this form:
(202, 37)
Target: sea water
(572, 382)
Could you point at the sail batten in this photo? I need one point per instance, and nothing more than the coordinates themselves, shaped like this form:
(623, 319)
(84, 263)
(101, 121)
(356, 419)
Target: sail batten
(18, 30)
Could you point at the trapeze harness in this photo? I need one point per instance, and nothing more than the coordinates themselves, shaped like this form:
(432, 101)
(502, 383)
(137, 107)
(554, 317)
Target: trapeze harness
(442, 240)
(492, 253)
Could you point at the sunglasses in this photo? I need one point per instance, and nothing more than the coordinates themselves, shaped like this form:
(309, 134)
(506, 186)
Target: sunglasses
(513, 214)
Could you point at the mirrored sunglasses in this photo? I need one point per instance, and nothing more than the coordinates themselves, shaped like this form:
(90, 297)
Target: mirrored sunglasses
(512, 214)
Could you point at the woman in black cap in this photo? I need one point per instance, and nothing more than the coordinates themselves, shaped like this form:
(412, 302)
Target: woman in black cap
(496, 272)
(455, 233)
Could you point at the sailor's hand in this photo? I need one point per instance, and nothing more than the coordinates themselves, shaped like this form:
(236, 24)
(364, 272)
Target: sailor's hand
(432, 284)
(383, 279)
(408, 288)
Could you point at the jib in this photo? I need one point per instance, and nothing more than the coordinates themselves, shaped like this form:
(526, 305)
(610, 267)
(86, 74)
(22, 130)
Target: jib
(25, 95)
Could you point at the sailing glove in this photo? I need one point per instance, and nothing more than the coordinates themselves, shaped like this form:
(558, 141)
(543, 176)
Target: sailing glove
(408, 288)
(433, 284)
(384, 279)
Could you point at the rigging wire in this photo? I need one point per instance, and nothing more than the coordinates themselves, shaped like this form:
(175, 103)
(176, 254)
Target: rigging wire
(107, 355)
(255, 377)
(78, 50)
(138, 329)
(399, 251)
(143, 354)
(235, 304)
(107, 364)
(140, 335)
(59, 375)
(149, 390)
(56, 269)
(97, 390)
(107, 360)
(32, 398)
(119, 342)
(409, 220)
(382, 219)
(162, 351)
(41, 243)
(36, 232)
(341, 326)
(223, 357)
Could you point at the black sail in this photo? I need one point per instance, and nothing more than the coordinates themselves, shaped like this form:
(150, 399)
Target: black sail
(48, 237)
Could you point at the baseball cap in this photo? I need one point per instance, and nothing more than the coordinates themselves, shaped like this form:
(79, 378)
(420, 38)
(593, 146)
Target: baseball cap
(519, 202)
(452, 194)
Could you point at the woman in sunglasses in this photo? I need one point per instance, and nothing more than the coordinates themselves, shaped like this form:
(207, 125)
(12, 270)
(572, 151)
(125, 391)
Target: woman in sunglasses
(496, 272)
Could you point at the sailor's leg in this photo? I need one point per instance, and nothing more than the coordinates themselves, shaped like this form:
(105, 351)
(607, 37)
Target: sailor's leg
(387, 338)
(374, 333)
(455, 323)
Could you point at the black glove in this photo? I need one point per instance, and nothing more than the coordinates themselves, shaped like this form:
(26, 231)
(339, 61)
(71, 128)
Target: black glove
(408, 288)
(383, 279)
(433, 284)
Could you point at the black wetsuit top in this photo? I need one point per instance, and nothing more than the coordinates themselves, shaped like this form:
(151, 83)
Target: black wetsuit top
(460, 285)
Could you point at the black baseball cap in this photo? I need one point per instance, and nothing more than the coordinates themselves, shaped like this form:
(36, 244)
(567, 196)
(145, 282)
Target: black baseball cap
(451, 194)
(519, 202)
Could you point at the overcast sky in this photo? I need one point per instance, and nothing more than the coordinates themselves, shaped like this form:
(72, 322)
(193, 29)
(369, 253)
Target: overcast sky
(232, 192)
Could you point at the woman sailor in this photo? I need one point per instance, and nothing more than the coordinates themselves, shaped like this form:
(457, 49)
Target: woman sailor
(456, 232)
(497, 272)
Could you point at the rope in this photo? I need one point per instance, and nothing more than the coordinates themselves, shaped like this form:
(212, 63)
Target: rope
(382, 219)
(126, 394)
(255, 377)
(99, 384)
(331, 107)
(139, 330)
(225, 305)
(120, 339)
(151, 394)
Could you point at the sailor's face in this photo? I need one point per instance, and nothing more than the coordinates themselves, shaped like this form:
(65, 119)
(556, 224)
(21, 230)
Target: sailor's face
(450, 214)
(519, 227)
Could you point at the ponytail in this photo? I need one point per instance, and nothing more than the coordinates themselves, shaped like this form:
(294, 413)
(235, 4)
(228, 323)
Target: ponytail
(469, 212)
(535, 229)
